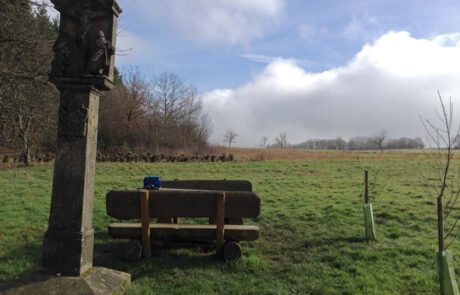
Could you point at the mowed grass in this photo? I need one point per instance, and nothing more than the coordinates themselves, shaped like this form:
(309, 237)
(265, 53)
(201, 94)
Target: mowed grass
(311, 227)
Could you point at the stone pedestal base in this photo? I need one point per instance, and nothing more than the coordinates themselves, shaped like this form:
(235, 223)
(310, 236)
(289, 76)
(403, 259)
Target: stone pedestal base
(70, 254)
(98, 280)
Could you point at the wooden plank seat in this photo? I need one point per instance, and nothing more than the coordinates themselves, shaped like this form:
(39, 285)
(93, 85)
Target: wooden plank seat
(147, 204)
(183, 232)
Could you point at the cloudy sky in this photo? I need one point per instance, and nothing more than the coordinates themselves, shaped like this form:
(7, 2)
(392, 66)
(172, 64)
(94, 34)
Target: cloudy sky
(308, 68)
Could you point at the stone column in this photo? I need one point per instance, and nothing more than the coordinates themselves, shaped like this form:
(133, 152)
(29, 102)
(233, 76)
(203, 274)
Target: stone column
(68, 245)
(83, 66)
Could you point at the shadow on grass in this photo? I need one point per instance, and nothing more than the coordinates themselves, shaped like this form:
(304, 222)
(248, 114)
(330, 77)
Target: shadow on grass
(23, 259)
(162, 261)
(108, 254)
(27, 278)
(169, 258)
(20, 267)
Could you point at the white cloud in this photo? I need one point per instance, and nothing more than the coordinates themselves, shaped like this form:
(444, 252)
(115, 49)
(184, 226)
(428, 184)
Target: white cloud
(447, 39)
(222, 21)
(260, 58)
(215, 21)
(265, 59)
(388, 85)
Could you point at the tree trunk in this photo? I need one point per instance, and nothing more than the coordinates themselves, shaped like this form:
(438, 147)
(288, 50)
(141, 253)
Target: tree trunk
(440, 224)
(26, 159)
(24, 128)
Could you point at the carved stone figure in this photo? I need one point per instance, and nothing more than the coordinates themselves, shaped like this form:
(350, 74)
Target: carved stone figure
(61, 50)
(73, 120)
(85, 45)
(99, 60)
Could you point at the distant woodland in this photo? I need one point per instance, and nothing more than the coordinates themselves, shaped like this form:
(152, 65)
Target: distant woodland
(362, 143)
(160, 114)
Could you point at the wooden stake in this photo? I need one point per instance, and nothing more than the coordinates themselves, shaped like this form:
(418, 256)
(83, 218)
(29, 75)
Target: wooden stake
(440, 213)
(220, 222)
(366, 187)
(145, 220)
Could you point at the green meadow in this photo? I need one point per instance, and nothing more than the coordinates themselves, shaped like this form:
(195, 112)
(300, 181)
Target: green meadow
(311, 227)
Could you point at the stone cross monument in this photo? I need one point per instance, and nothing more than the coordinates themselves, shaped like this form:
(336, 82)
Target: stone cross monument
(83, 66)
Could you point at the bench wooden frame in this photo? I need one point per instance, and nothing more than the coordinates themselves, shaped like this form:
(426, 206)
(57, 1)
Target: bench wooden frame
(227, 237)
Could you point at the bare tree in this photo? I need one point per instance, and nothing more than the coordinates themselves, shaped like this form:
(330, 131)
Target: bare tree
(123, 111)
(26, 40)
(27, 101)
(25, 115)
(263, 142)
(177, 108)
(168, 93)
(379, 138)
(135, 95)
(163, 115)
(281, 141)
(229, 137)
(443, 184)
(205, 128)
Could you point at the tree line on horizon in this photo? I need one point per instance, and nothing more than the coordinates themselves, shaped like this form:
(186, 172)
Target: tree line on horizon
(361, 143)
(378, 141)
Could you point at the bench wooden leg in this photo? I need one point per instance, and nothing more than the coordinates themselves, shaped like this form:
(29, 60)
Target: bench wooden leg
(145, 220)
(220, 222)
(132, 250)
(231, 250)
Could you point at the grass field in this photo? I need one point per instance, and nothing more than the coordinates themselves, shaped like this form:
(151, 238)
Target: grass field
(311, 227)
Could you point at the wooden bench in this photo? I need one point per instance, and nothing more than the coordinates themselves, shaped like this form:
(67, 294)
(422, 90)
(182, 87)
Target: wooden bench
(163, 203)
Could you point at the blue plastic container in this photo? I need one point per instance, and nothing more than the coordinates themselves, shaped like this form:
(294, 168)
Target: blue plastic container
(152, 182)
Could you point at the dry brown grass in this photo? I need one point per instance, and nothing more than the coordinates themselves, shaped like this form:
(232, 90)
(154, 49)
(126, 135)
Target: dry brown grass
(271, 154)
(268, 154)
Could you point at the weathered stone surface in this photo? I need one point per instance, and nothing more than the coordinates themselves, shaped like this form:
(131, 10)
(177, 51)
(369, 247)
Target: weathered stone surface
(98, 281)
(68, 243)
(87, 36)
(83, 65)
